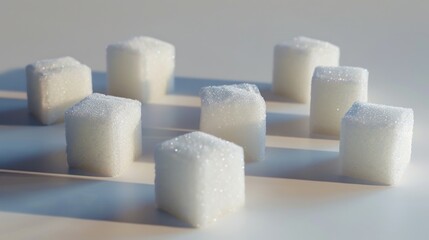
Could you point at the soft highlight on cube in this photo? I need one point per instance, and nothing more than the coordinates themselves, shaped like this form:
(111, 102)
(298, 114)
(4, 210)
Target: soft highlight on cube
(54, 85)
(333, 92)
(141, 68)
(103, 134)
(236, 113)
(199, 178)
(375, 142)
(294, 64)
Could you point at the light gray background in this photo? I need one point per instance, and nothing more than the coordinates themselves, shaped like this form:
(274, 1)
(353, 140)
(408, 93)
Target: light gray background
(228, 41)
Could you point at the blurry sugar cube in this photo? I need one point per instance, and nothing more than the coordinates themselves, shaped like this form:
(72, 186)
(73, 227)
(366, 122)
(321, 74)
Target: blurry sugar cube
(375, 142)
(54, 85)
(141, 68)
(199, 178)
(103, 134)
(236, 113)
(294, 64)
(333, 92)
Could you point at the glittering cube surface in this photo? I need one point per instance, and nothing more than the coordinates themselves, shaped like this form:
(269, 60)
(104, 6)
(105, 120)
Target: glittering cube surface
(236, 113)
(141, 68)
(294, 63)
(54, 85)
(103, 134)
(333, 91)
(375, 142)
(199, 178)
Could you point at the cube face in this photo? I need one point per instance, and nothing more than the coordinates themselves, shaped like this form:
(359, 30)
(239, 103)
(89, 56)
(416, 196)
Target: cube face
(54, 85)
(141, 68)
(294, 64)
(375, 142)
(103, 134)
(236, 113)
(199, 177)
(333, 92)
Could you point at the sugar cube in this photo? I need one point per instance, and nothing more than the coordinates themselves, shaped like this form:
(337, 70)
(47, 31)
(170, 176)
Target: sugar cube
(199, 178)
(141, 68)
(294, 63)
(375, 142)
(103, 134)
(333, 91)
(54, 85)
(236, 113)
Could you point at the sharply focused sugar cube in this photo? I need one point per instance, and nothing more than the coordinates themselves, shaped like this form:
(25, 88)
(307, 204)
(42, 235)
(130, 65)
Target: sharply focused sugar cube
(294, 64)
(236, 113)
(103, 134)
(375, 142)
(333, 91)
(54, 85)
(199, 178)
(141, 68)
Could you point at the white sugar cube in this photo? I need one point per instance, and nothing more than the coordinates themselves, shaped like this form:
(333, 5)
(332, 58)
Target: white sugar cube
(375, 142)
(103, 134)
(294, 64)
(54, 85)
(333, 92)
(236, 113)
(141, 68)
(199, 178)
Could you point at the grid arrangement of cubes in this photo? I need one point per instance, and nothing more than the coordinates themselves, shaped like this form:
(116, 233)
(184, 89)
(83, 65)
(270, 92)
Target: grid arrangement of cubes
(54, 85)
(236, 113)
(333, 91)
(141, 68)
(199, 178)
(200, 175)
(294, 64)
(103, 134)
(375, 142)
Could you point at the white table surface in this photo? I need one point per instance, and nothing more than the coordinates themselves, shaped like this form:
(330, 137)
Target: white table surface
(296, 193)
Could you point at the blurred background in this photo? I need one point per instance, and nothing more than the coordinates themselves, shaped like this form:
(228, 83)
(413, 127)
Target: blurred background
(230, 39)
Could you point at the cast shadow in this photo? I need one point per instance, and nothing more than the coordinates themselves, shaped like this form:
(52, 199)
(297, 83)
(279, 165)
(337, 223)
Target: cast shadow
(14, 80)
(301, 164)
(297, 164)
(48, 162)
(189, 86)
(99, 82)
(152, 137)
(83, 199)
(15, 112)
(290, 125)
(170, 117)
(33, 149)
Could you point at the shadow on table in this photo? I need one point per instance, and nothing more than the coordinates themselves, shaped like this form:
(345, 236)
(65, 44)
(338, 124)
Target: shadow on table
(301, 164)
(189, 86)
(44, 162)
(99, 82)
(152, 137)
(81, 198)
(15, 112)
(290, 125)
(33, 149)
(170, 117)
(14, 80)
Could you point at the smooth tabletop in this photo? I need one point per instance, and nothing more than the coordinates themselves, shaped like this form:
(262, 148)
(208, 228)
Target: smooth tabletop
(297, 193)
